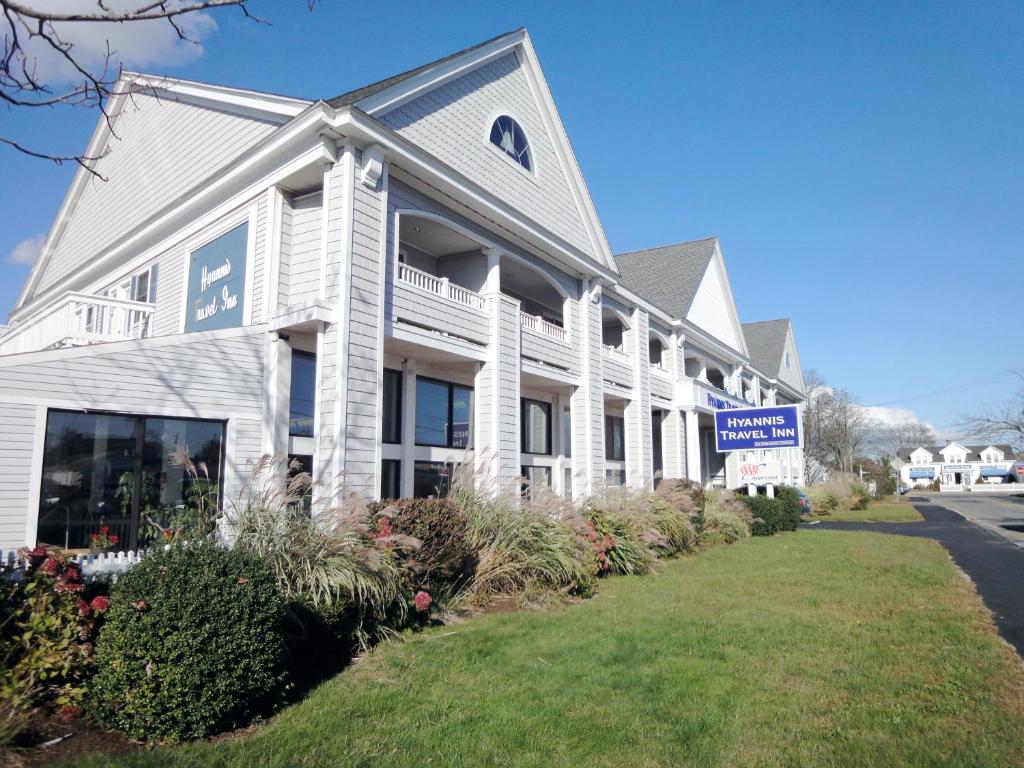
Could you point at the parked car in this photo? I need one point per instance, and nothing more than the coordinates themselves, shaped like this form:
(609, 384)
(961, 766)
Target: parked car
(805, 502)
(904, 490)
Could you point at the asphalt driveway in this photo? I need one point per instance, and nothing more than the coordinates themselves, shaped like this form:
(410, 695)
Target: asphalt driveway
(995, 563)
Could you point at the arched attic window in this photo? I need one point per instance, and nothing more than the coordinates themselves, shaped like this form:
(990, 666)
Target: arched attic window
(509, 137)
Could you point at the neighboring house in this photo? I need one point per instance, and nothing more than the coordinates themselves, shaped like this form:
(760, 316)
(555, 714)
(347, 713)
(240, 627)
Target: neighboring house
(378, 285)
(957, 465)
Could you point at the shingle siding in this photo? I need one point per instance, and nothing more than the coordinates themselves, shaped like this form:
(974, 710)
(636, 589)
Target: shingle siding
(453, 122)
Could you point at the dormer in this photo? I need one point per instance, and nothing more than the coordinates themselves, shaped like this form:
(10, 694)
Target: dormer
(920, 456)
(954, 453)
(992, 455)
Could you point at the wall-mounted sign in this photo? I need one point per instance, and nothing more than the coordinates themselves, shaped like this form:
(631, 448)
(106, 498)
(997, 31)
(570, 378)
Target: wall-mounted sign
(747, 429)
(920, 473)
(991, 471)
(216, 283)
(718, 401)
(956, 468)
(760, 472)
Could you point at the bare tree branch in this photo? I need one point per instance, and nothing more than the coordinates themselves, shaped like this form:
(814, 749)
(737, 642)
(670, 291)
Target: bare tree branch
(23, 25)
(1002, 421)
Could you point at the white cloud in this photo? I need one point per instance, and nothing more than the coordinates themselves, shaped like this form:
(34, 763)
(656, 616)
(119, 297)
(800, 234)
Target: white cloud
(135, 45)
(27, 251)
(892, 417)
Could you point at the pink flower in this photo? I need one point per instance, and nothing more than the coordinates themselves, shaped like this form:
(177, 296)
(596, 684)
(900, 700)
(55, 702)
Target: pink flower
(100, 603)
(384, 526)
(84, 609)
(423, 601)
(64, 585)
(51, 566)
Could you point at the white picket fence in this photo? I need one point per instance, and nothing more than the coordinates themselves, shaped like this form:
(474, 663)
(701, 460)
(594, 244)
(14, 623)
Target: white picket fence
(111, 563)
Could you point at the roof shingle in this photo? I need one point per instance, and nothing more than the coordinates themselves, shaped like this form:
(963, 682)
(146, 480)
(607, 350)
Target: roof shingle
(668, 276)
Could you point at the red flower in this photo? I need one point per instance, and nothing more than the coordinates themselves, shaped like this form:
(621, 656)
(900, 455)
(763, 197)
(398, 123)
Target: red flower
(64, 585)
(423, 601)
(384, 526)
(84, 609)
(73, 572)
(69, 712)
(94, 537)
(114, 539)
(100, 603)
(37, 552)
(51, 566)
(168, 533)
(104, 529)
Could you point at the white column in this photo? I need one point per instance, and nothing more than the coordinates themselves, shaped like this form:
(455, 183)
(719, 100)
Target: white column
(692, 446)
(277, 361)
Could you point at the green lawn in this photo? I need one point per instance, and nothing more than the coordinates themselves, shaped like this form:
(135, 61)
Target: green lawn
(877, 512)
(814, 648)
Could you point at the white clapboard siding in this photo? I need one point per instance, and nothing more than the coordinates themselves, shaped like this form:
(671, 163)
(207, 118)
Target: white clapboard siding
(216, 374)
(617, 368)
(449, 122)
(162, 149)
(304, 257)
(428, 310)
(542, 348)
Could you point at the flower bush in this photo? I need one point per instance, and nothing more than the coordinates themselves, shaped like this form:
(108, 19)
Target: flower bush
(625, 534)
(103, 539)
(193, 644)
(48, 625)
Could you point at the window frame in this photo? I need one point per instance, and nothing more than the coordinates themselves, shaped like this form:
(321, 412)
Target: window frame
(138, 459)
(609, 439)
(451, 385)
(548, 436)
(300, 353)
(398, 477)
(531, 171)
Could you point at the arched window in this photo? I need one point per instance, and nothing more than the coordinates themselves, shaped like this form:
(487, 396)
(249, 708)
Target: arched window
(507, 136)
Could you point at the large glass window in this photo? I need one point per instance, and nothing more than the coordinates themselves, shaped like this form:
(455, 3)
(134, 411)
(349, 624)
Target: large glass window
(444, 414)
(431, 478)
(126, 473)
(390, 479)
(535, 478)
(536, 428)
(614, 438)
(391, 429)
(302, 400)
(566, 431)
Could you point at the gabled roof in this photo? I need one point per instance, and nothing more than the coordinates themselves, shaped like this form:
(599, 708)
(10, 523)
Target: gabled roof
(1006, 450)
(766, 342)
(668, 276)
(358, 94)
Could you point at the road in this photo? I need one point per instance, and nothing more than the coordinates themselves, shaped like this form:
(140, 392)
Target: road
(994, 562)
(995, 512)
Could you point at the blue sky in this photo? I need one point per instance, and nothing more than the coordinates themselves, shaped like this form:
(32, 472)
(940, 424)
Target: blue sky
(861, 163)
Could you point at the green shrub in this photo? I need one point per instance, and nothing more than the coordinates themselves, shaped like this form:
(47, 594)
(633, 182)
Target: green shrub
(726, 518)
(676, 526)
(193, 644)
(771, 516)
(49, 618)
(860, 496)
(444, 562)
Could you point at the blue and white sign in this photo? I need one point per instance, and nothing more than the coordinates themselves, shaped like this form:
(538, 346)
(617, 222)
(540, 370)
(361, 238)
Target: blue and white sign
(216, 283)
(922, 473)
(746, 429)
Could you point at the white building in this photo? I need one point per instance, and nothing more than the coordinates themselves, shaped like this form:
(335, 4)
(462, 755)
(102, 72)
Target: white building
(957, 466)
(379, 284)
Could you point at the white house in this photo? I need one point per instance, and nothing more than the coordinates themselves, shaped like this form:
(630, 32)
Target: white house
(379, 284)
(956, 466)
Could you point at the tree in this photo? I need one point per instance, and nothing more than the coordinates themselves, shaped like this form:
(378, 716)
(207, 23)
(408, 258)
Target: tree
(36, 31)
(1001, 421)
(894, 440)
(836, 427)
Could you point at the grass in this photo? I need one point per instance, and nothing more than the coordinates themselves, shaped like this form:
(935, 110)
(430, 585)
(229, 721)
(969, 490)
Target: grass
(806, 649)
(877, 512)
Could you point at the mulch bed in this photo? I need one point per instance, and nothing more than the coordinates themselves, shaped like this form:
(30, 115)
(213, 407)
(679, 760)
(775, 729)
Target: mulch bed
(85, 738)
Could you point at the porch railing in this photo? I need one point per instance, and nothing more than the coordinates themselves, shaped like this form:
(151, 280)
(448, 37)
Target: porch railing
(618, 354)
(79, 318)
(439, 286)
(542, 326)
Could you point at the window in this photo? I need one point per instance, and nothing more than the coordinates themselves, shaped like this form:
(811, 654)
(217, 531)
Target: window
(302, 463)
(536, 427)
(507, 136)
(125, 472)
(535, 477)
(302, 398)
(655, 351)
(431, 478)
(391, 430)
(614, 438)
(444, 413)
(566, 431)
(614, 477)
(789, 361)
(390, 479)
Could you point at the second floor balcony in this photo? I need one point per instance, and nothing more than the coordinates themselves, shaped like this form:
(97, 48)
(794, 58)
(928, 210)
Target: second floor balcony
(77, 319)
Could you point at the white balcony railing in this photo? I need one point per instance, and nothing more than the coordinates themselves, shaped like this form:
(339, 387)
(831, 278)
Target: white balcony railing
(77, 319)
(542, 326)
(618, 354)
(439, 286)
